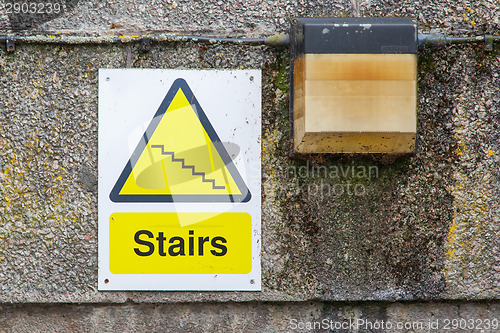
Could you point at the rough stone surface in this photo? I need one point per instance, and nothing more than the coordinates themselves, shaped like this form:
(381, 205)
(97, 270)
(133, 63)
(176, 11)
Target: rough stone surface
(249, 18)
(337, 228)
(253, 317)
(460, 17)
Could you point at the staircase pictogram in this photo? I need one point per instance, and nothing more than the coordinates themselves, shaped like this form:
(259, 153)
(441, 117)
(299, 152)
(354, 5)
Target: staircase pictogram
(203, 176)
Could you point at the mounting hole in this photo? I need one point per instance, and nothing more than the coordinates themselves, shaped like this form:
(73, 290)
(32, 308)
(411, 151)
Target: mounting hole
(251, 78)
(106, 281)
(252, 281)
(107, 79)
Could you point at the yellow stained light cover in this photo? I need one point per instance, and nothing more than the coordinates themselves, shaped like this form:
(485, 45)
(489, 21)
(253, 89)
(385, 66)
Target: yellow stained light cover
(354, 103)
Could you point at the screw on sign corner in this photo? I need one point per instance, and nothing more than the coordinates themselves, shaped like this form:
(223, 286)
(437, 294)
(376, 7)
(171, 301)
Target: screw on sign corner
(10, 45)
(106, 281)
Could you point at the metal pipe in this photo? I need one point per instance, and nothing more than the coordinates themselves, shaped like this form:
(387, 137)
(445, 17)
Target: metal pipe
(275, 40)
(442, 40)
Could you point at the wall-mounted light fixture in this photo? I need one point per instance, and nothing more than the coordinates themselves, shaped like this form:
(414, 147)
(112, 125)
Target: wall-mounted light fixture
(354, 85)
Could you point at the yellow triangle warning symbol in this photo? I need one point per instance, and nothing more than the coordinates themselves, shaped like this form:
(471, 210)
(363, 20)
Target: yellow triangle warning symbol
(180, 158)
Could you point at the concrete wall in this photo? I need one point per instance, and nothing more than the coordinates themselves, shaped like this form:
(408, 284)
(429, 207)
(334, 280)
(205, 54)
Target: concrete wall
(250, 317)
(423, 227)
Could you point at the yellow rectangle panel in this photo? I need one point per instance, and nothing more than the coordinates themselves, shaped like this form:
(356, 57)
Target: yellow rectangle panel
(361, 88)
(360, 67)
(180, 243)
(397, 143)
(363, 114)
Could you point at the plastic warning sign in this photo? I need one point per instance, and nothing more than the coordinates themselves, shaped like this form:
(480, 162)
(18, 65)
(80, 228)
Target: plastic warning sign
(179, 180)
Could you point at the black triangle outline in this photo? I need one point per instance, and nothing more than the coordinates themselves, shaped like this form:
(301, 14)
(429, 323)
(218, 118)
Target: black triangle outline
(245, 195)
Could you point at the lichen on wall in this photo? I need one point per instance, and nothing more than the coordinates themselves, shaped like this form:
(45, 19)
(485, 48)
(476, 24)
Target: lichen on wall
(335, 227)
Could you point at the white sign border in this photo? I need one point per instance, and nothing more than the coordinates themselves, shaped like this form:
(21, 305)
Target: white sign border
(128, 100)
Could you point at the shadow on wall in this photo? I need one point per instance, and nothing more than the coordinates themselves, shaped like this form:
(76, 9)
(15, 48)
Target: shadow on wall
(29, 15)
